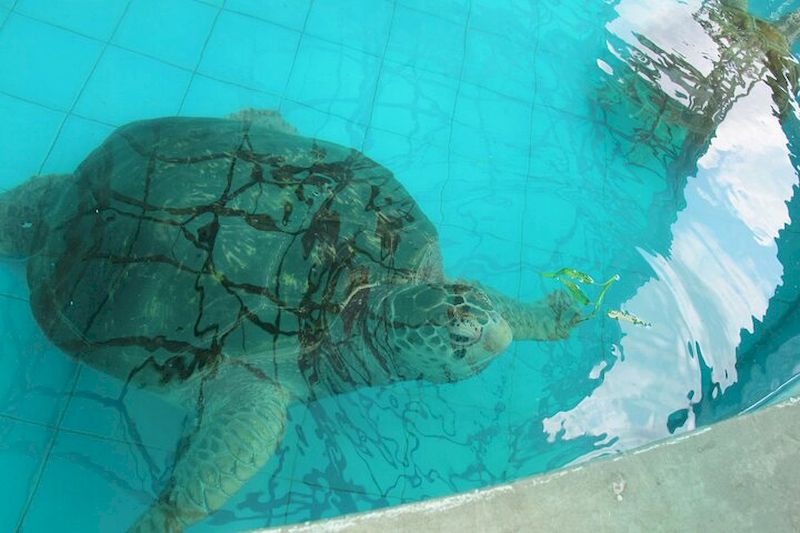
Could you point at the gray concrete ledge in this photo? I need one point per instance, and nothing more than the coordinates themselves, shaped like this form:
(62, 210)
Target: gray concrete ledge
(742, 475)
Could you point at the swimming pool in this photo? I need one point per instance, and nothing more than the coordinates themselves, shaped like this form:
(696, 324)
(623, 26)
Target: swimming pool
(511, 125)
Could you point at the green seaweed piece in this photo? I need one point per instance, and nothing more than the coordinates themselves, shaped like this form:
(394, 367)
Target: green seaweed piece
(576, 292)
(572, 273)
(566, 277)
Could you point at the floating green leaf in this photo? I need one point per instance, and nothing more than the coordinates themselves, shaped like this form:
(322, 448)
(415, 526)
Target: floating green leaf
(572, 273)
(566, 277)
(576, 292)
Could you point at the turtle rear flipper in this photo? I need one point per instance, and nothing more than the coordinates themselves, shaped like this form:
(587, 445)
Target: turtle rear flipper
(241, 422)
(24, 211)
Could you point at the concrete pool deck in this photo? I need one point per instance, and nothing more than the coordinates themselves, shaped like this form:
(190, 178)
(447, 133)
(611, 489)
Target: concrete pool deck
(742, 474)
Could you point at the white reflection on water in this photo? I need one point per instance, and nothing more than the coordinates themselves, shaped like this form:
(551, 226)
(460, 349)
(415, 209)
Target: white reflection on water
(720, 273)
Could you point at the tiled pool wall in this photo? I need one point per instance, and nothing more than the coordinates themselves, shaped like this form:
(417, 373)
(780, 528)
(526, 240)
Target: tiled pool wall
(458, 98)
(470, 103)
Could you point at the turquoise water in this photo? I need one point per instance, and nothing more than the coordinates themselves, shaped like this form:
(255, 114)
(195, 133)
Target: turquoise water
(510, 124)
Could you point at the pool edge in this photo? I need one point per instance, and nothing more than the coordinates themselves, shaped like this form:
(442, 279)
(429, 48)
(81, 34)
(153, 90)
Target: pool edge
(742, 474)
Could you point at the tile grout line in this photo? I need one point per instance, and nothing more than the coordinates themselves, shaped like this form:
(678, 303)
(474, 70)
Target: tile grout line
(56, 431)
(63, 411)
(453, 111)
(8, 15)
(282, 98)
(81, 433)
(289, 28)
(374, 98)
(69, 111)
(531, 153)
(269, 93)
(302, 32)
(200, 58)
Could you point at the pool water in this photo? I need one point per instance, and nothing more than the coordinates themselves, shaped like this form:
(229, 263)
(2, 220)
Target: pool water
(511, 123)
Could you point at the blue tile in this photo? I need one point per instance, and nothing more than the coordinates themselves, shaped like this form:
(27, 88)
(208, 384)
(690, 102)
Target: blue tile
(360, 24)
(320, 125)
(96, 409)
(414, 103)
(171, 30)
(452, 10)
(250, 52)
(211, 98)
(493, 62)
(420, 166)
(3, 14)
(77, 139)
(426, 41)
(22, 447)
(334, 79)
(37, 377)
(7, 4)
(93, 485)
(43, 63)
(26, 133)
(93, 18)
(126, 86)
(516, 20)
(495, 116)
(289, 13)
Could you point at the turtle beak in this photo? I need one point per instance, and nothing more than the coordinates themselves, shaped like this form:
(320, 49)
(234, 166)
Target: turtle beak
(497, 336)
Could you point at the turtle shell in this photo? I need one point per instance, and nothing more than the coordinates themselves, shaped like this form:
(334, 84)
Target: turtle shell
(180, 241)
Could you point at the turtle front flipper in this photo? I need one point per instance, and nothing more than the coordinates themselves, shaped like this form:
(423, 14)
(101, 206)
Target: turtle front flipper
(551, 318)
(241, 420)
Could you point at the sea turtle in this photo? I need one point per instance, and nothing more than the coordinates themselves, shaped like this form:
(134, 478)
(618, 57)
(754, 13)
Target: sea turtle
(665, 103)
(233, 266)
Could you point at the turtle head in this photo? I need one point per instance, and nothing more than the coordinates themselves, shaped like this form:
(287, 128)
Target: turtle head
(443, 332)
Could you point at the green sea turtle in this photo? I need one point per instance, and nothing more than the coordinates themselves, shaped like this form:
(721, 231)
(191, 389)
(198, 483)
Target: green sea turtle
(665, 100)
(234, 266)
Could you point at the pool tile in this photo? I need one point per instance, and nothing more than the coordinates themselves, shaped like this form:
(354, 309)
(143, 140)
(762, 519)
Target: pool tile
(360, 24)
(239, 36)
(26, 133)
(98, 408)
(37, 376)
(556, 138)
(518, 21)
(414, 103)
(171, 30)
(44, 64)
(93, 485)
(289, 13)
(77, 139)
(452, 10)
(424, 40)
(496, 116)
(420, 166)
(317, 124)
(22, 447)
(493, 62)
(126, 86)
(93, 18)
(334, 79)
(211, 98)
(4, 12)
(488, 151)
(354, 443)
